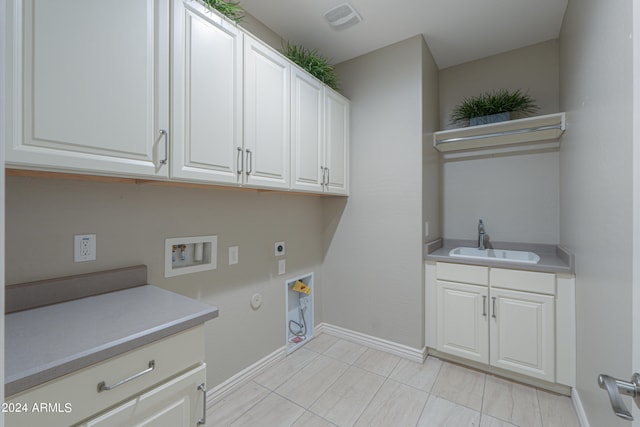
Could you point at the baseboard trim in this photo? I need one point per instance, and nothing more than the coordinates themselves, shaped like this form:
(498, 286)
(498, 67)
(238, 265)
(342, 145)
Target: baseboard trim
(406, 352)
(221, 390)
(577, 405)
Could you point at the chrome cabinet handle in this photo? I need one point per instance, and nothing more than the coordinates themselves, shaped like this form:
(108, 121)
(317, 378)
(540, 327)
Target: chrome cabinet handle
(484, 305)
(202, 421)
(102, 386)
(614, 387)
(240, 161)
(323, 169)
(328, 176)
(166, 146)
(249, 161)
(494, 307)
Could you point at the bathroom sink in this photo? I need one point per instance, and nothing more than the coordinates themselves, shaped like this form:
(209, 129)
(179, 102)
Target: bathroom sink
(495, 254)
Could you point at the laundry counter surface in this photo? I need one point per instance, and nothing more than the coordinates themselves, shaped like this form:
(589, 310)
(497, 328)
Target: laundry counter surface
(47, 342)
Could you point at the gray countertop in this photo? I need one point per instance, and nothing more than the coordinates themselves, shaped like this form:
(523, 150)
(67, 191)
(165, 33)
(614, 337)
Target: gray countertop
(47, 342)
(553, 259)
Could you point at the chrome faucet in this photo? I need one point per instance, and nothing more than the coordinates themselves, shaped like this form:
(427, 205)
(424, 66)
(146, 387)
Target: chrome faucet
(481, 235)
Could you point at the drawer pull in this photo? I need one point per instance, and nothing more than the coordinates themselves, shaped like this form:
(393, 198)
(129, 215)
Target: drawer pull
(202, 421)
(102, 386)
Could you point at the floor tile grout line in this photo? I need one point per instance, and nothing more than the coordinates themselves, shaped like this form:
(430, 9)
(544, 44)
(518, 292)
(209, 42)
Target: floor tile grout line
(252, 406)
(484, 391)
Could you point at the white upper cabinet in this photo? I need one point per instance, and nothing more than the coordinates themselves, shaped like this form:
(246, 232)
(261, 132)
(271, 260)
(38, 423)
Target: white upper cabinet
(87, 91)
(307, 128)
(88, 88)
(336, 143)
(320, 136)
(266, 116)
(207, 95)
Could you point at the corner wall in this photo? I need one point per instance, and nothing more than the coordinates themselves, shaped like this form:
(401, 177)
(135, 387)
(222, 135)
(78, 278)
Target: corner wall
(596, 177)
(372, 271)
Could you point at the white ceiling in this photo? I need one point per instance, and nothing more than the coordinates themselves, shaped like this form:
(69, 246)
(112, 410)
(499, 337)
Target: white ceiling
(456, 31)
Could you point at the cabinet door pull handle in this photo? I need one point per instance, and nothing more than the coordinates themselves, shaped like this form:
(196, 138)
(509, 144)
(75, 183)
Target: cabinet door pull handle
(494, 307)
(328, 176)
(102, 386)
(484, 305)
(249, 161)
(240, 161)
(202, 421)
(323, 169)
(164, 134)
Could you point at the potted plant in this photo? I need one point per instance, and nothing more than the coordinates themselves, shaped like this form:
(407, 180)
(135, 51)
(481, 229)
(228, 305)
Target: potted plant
(230, 9)
(491, 107)
(311, 61)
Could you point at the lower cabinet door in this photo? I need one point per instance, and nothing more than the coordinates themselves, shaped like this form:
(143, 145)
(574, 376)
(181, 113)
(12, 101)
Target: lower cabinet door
(176, 403)
(522, 333)
(462, 325)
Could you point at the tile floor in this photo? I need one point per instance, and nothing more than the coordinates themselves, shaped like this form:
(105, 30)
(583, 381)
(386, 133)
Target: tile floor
(333, 382)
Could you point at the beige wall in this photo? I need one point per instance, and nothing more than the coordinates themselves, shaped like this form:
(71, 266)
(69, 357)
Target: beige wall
(431, 165)
(131, 223)
(533, 69)
(596, 185)
(372, 272)
(261, 31)
(516, 195)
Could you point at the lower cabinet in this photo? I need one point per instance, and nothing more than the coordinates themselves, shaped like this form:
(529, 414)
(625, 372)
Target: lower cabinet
(158, 384)
(173, 404)
(462, 320)
(521, 333)
(499, 317)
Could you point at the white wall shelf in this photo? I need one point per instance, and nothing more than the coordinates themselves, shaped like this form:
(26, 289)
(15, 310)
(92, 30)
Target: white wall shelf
(530, 129)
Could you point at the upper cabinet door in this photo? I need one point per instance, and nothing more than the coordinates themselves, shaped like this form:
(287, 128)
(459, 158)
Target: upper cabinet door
(89, 86)
(337, 143)
(307, 127)
(207, 95)
(266, 116)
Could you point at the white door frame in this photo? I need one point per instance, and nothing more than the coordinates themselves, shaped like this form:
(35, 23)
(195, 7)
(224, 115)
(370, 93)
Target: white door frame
(636, 202)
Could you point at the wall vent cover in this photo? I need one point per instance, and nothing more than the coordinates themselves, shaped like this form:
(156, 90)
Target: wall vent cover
(342, 16)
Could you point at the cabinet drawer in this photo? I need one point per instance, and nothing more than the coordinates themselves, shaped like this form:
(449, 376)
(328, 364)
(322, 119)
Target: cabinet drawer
(527, 281)
(76, 395)
(475, 274)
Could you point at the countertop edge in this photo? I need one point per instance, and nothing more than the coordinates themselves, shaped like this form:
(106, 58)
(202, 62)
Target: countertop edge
(100, 354)
(564, 261)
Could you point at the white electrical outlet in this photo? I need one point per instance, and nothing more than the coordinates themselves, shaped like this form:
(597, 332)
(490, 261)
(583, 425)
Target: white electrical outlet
(84, 247)
(233, 255)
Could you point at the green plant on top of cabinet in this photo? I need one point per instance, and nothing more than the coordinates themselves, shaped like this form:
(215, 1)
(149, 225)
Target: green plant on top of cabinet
(87, 95)
(230, 9)
(320, 136)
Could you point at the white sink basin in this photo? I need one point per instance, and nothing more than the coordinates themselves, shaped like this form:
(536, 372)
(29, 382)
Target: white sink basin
(495, 254)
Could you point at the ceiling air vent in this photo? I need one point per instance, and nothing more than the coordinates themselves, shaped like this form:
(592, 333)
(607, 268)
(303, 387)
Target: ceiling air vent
(342, 16)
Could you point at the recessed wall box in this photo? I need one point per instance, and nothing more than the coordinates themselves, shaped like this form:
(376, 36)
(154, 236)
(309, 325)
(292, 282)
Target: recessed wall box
(184, 255)
(299, 309)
